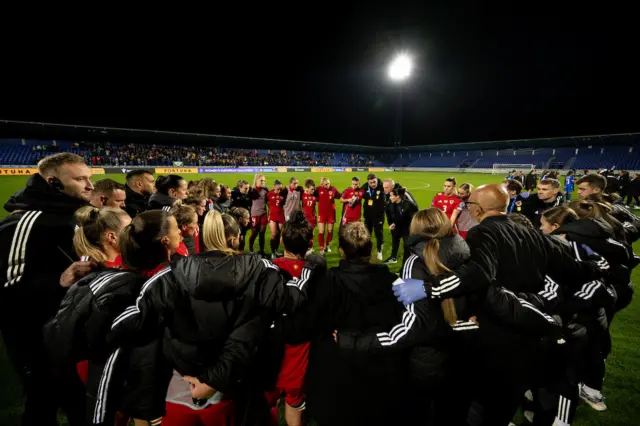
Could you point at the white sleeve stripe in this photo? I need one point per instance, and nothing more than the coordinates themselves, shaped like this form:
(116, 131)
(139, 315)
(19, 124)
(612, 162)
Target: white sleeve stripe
(408, 266)
(133, 310)
(530, 306)
(95, 289)
(575, 248)
(100, 410)
(386, 340)
(614, 242)
(468, 327)
(450, 285)
(18, 252)
(397, 330)
(269, 264)
(588, 290)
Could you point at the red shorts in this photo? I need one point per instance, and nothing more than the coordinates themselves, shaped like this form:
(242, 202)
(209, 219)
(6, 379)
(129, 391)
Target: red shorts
(258, 221)
(293, 397)
(346, 220)
(277, 218)
(220, 414)
(329, 218)
(312, 221)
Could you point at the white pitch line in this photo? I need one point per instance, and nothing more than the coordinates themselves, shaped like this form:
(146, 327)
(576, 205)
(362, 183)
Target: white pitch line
(427, 185)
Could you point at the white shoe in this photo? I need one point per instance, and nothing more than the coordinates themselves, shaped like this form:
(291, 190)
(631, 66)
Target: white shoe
(328, 249)
(592, 397)
(310, 251)
(529, 395)
(380, 256)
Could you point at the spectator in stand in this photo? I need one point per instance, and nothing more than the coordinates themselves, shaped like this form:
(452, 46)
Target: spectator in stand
(108, 193)
(171, 189)
(139, 187)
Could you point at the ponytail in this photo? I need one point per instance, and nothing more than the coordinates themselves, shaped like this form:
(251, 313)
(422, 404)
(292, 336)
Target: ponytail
(217, 230)
(433, 264)
(140, 242)
(92, 224)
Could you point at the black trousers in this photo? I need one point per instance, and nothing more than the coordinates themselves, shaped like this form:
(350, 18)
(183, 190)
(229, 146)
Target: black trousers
(375, 226)
(633, 199)
(396, 236)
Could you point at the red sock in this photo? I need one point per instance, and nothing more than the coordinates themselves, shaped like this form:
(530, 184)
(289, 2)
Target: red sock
(321, 240)
(329, 237)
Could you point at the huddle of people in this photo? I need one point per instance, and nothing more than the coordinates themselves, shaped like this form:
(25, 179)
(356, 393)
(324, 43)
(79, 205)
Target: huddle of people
(166, 320)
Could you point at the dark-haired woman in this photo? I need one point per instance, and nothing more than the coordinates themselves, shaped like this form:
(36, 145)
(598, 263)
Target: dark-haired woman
(169, 189)
(242, 216)
(212, 308)
(80, 328)
(401, 213)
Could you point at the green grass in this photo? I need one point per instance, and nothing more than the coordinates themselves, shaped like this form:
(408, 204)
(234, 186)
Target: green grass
(621, 387)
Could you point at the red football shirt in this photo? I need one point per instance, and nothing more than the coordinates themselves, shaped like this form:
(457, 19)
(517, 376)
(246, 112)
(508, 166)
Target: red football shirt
(296, 357)
(352, 214)
(326, 205)
(309, 205)
(448, 204)
(276, 205)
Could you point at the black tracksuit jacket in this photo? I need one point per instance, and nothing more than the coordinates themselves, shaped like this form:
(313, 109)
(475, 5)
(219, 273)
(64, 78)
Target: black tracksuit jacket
(533, 207)
(373, 213)
(35, 241)
(213, 311)
(159, 201)
(238, 199)
(424, 329)
(598, 235)
(343, 388)
(135, 203)
(79, 331)
(401, 215)
(517, 258)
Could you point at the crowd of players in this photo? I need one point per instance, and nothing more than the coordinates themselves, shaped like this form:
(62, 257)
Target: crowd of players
(144, 307)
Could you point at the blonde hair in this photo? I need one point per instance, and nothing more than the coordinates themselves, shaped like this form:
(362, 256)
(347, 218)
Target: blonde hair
(434, 224)
(92, 224)
(255, 179)
(184, 214)
(597, 207)
(217, 232)
(55, 161)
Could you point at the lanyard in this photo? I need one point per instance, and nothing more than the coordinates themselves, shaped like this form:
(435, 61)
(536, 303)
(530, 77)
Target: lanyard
(513, 203)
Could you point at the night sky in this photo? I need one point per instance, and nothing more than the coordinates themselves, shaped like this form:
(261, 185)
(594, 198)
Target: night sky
(317, 72)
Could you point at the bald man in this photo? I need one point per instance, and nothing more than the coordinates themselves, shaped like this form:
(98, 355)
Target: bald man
(522, 261)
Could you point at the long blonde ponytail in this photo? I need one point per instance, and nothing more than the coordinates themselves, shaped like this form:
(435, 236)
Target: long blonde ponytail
(434, 224)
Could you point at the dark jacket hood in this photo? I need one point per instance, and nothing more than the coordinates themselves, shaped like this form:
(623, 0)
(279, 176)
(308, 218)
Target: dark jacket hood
(593, 228)
(453, 252)
(214, 276)
(39, 195)
(161, 199)
(369, 281)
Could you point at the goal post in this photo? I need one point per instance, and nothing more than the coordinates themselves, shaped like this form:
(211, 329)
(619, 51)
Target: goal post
(502, 168)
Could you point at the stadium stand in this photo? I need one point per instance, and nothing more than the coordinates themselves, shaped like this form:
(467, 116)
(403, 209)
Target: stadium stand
(23, 152)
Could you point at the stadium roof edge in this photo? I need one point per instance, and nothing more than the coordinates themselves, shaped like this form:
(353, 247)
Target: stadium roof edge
(79, 132)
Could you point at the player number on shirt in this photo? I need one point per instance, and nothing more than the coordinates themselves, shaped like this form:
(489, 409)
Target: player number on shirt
(444, 208)
(309, 203)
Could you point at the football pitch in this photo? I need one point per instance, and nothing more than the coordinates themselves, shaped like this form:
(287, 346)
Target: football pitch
(622, 382)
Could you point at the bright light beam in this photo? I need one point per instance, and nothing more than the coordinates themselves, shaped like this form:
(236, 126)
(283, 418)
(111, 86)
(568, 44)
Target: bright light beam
(400, 68)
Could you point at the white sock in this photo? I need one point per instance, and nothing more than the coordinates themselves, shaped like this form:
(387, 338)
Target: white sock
(590, 391)
(558, 422)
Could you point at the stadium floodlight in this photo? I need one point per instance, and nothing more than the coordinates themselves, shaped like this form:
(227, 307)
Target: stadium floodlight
(400, 68)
